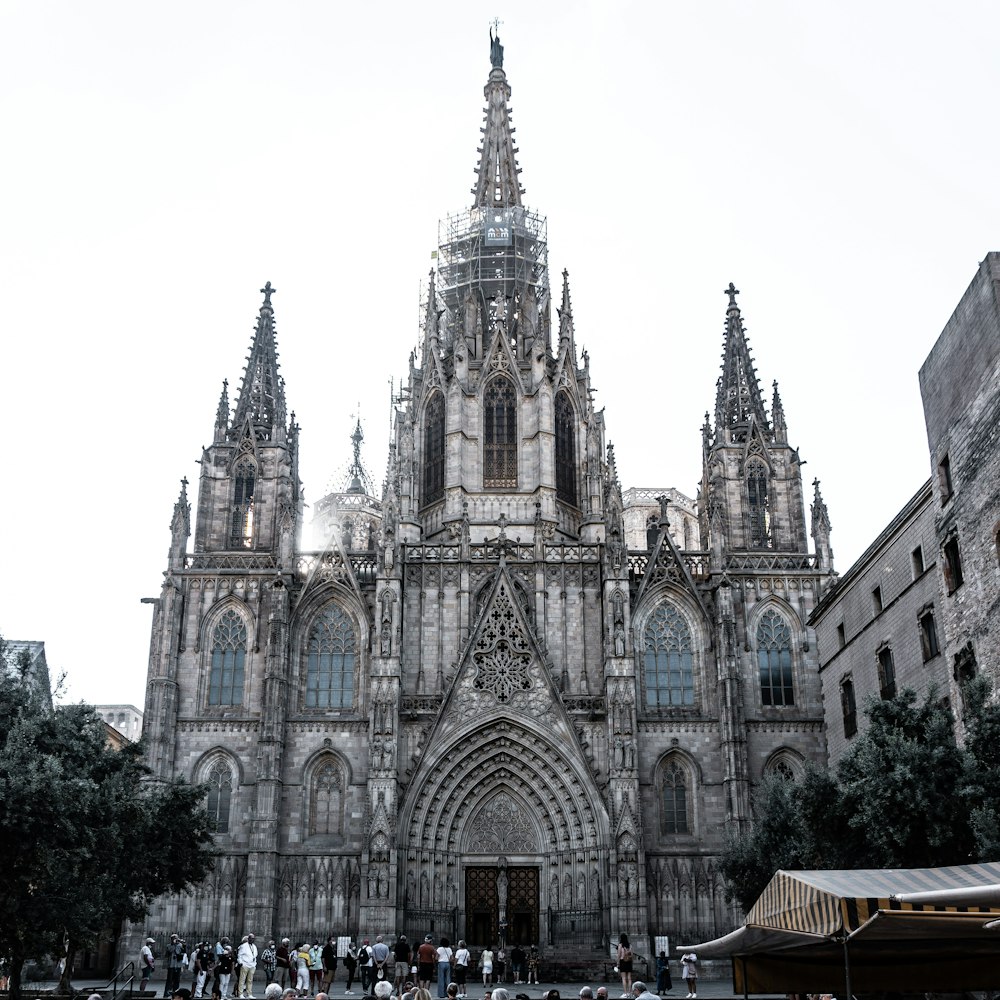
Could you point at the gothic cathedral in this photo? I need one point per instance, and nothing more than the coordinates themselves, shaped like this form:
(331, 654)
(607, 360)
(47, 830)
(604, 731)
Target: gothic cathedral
(507, 699)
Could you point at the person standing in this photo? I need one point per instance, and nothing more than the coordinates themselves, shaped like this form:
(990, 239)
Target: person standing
(315, 967)
(500, 970)
(462, 959)
(486, 966)
(533, 959)
(148, 963)
(380, 960)
(281, 954)
(224, 971)
(444, 958)
(401, 957)
(689, 970)
(329, 962)
(663, 982)
(175, 962)
(426, 957)
(246, 958)
(625, 964)
(350, 964)
(302, 969)
(204, 962)
(269, 960)
(365, 966)
(517, 964)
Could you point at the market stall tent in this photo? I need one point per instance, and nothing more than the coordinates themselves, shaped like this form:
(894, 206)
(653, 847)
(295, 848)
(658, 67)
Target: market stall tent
(845, 932)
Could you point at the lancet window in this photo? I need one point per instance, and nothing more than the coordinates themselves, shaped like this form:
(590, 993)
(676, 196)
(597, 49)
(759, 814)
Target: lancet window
(669, 673)
(330, 657)
(774, 660)
(244, 484)
(434, 449)
(565, 450)
(500, 434)
(326, 799)
(220, 794)
(674, 798)
(758, 504)
(229, 650)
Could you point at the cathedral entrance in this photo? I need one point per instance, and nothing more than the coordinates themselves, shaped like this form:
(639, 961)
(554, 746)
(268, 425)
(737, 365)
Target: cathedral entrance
(501, 899)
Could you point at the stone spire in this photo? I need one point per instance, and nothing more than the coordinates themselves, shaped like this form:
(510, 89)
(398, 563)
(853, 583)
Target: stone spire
(566, 333)
(497, 184)
(738, 397)
(222, 413)
(821, 530)
(262, 392)
(778, 417)
(180, 528)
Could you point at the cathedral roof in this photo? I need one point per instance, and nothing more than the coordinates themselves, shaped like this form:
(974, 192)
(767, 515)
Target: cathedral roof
(497, 183)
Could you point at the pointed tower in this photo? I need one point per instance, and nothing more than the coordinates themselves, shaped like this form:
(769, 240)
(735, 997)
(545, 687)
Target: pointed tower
(249, 491)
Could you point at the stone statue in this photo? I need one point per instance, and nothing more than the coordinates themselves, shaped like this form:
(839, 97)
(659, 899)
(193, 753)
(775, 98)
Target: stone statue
(502, 893)
(496, 51)
(386, 639)
(619, 639)
(372, 883)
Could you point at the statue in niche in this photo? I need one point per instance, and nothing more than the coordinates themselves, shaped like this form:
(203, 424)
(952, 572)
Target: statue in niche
(618, 754)
(376, 754)
(630, 755)
(372, 884)
(411, 884)
(502, 888)
(619, 639)
(437, 888)
(615, 548)
(388, 751)
(383, 882)
(452, 893)
(385, 644)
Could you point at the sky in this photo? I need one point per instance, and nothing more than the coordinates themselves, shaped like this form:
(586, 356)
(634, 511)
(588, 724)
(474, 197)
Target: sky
(163, 161)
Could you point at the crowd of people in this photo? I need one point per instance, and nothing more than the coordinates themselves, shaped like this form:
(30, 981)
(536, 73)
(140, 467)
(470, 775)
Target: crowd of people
(222, 971)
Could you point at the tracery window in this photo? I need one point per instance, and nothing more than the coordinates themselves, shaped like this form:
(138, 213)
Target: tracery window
(434, 449)
(758, 504)
(229, 650)
(500, 434)
(565, 450)
(326, 799)
(244, 484)
(330, 656)
(674, 798)
(220, 793)
(668, 659)
(774, 659)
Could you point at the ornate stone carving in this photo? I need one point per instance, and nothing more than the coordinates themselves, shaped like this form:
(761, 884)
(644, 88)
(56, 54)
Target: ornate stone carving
(502, 654)
(502, 828)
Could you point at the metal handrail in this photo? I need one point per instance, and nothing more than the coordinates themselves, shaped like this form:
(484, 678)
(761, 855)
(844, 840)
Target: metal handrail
(128, 967)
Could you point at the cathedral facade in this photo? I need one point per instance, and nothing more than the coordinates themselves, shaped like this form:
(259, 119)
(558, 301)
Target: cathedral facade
(506, 699)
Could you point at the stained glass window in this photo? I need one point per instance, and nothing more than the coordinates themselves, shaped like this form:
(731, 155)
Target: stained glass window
(565, 450)
(220, 792)
(675, 818)
(330, 656)
(326, 799)
(229, 650)
(500, 434)
(434, 449)
(774, 660)
(668, 660)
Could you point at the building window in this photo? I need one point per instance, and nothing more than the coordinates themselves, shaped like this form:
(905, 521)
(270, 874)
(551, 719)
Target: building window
(330, 659)
(877, 600)
(841, 636)
(220, 794)
(774, 660)
(952, 565)
(928, 634)
(782, 769)
(886, 673)
(965, 663)
(244, 483)
(565, 450)
(326, 799)
(944, 479)
(674, 799)
(668, 661)
(758, 505)
(917, 560)
(434, 449)
(848, 707)
(500, 434)
(229, 650)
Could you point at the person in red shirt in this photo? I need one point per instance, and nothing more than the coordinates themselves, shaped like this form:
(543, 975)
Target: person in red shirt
(426, 959)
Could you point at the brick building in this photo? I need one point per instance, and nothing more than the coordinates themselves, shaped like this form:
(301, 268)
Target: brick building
(504, 696)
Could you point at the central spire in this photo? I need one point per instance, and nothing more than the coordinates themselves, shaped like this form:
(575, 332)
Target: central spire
(262, 394)
(738, 397)
(497, 184)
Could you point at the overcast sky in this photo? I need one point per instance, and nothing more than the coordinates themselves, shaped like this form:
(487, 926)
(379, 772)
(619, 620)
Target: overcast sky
(838, 162)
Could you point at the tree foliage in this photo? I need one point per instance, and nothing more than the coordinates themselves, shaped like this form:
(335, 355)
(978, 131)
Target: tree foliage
(905, 795)
(85, 840)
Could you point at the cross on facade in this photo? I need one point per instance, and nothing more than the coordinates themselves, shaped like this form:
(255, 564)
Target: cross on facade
(267, 291)
(732, 291)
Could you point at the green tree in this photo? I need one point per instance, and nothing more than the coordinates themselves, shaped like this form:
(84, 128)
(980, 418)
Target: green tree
(85, 840)
(905, 795)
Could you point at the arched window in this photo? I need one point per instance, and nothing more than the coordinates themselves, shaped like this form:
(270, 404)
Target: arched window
(669, 674)
(229, 650)
(244, 483)
(500, 434)
(674, 798)
(326, 799)
(774, 659)
(220, 794)
(565, 450)
(330, 661)
(434, 449)
(758, 504)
